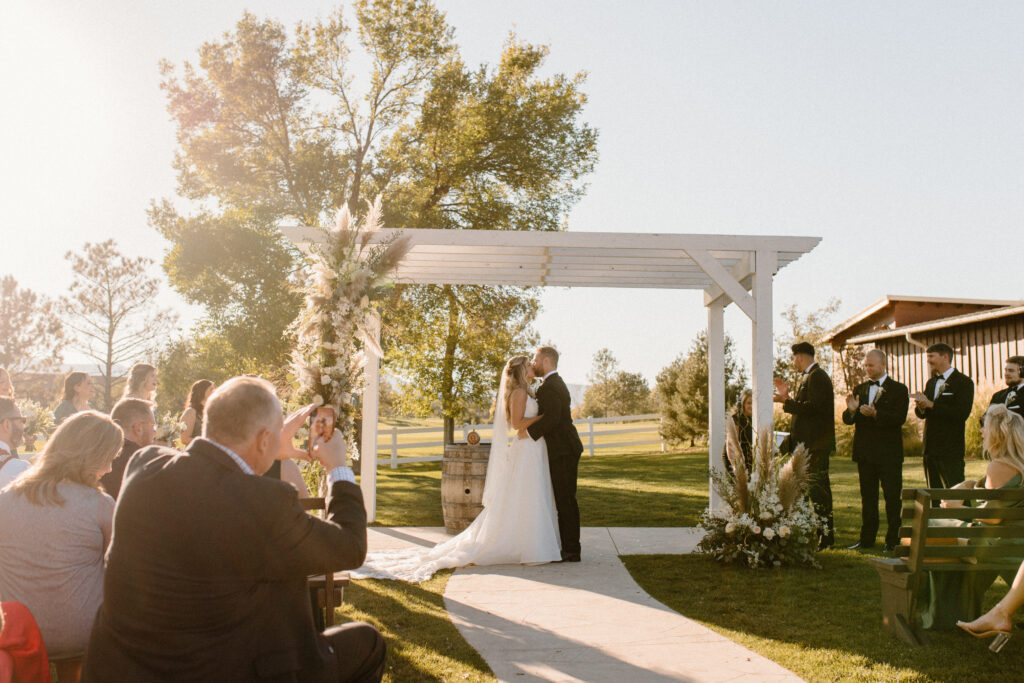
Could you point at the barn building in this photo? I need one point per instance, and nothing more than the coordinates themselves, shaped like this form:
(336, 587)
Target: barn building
(983, 334)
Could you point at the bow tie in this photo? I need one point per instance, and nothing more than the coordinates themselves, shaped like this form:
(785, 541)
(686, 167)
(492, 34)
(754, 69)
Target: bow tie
(875, 383)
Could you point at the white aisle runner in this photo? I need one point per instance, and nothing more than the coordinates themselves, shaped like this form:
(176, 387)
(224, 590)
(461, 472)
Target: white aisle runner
(589, 621)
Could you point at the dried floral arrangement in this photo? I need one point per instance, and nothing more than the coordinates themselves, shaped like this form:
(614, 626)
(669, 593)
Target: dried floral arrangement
(335, 331)
(766, 520)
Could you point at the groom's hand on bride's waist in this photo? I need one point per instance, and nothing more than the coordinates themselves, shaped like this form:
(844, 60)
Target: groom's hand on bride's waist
(523, 434)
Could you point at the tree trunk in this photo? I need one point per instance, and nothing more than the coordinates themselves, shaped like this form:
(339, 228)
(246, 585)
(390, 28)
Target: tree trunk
(448, 366)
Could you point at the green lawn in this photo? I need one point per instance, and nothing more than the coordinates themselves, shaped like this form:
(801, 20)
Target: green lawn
(423, 644)
(777, 613)
(615, 489)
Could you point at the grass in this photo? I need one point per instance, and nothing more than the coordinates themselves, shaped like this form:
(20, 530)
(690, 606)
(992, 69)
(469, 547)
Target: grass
(776, 613)
(779, 613)
(616, 488)
(825, 625)
(423, 644)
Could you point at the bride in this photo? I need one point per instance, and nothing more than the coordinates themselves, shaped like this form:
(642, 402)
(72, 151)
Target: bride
(518, 524)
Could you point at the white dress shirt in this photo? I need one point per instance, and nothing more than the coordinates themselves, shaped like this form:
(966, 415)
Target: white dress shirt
(874, 389)
(941, 383)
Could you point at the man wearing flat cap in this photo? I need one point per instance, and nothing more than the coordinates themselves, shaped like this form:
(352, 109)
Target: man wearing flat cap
(814, 426)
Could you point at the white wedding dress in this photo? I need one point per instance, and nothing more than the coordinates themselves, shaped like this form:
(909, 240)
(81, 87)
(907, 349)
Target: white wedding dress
(518, 525)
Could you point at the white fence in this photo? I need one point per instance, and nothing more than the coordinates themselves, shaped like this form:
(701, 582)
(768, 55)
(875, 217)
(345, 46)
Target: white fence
(388, 437)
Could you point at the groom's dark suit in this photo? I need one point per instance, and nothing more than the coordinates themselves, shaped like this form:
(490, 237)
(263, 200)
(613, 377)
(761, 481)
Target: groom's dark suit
(564, 451)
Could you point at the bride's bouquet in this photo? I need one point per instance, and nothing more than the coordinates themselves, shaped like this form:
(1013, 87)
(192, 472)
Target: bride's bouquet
(336, 330)
(767, 520)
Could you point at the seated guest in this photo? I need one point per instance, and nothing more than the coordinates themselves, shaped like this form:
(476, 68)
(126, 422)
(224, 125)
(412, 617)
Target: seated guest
(78, 390)
(56, 527)
(12, 425)
(22, 651)
(206, 576)
(999, 620)
(135, 418)
(959, 596)
(142, 381)
(192, 418)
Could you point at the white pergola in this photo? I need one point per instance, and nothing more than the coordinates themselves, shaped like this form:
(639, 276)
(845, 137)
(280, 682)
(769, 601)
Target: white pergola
(727, 268)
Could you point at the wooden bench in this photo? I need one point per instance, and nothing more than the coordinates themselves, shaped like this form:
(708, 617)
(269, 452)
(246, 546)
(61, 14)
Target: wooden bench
(329, 588)
(945, 549)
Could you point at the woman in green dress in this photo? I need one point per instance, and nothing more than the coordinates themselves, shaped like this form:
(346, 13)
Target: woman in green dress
(953, 596)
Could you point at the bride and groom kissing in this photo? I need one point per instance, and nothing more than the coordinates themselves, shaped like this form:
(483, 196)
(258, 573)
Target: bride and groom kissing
(530, 513)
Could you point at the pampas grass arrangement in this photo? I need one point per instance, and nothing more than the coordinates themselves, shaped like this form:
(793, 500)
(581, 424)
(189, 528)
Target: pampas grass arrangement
(335, 330)
(766, 520)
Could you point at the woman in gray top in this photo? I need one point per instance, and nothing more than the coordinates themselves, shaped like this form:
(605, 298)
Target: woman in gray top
(55, 530)
(78, 389)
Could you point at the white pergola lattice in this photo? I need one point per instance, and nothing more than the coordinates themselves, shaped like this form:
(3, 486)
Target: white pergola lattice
(728, 268)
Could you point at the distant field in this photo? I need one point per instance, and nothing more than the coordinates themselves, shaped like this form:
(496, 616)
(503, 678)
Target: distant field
(645, 430)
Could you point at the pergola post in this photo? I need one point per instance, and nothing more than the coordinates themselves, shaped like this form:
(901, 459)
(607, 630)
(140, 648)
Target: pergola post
(716, 393)
(765, 265)
(368, 447)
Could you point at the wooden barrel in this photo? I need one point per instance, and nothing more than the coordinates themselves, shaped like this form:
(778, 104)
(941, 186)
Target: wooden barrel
(463, 471)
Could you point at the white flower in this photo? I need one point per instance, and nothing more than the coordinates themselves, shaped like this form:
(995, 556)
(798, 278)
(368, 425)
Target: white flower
(756, 529)
(784, 531)
(325, 379)
(730, 528)
(766, 515)
(364, 302)
(318, 400)
(769, 533)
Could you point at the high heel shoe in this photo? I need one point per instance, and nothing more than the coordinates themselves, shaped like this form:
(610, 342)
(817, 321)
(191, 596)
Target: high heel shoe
(1001, 637)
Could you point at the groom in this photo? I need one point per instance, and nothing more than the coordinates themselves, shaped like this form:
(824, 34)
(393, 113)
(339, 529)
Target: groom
(564, 447)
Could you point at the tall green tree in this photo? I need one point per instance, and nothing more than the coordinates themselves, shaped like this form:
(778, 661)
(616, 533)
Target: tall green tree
(682, 390)
(110, 311)
(31, 333)
(273, 128)
(612, 391)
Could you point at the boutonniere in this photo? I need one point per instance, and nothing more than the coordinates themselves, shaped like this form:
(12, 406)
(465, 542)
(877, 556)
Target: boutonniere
(1011, 397)
(878, 394)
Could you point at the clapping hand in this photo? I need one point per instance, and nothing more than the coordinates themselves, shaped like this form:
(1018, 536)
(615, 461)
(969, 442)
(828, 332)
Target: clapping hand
(852, 403)
(781, 391)
(868, 411)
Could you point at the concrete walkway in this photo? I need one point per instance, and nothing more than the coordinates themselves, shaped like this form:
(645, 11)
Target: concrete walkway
(588, 621)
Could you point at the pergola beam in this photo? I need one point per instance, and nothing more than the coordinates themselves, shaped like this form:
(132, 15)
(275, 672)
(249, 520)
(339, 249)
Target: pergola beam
(723, 266)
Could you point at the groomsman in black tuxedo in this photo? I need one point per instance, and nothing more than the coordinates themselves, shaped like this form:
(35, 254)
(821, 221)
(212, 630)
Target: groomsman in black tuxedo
(564, 447)
(944, 406)
(814, 426)
(1013, 395)
(877, 409)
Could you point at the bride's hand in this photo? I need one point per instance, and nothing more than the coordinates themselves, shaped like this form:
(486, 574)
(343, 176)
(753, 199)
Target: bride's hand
(523, 434)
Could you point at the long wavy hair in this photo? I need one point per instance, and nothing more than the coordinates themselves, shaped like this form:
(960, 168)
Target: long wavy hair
(71, 382)
(136, 378)
(197, 397)
(516, 374)
(1003, 436)
(84, 444)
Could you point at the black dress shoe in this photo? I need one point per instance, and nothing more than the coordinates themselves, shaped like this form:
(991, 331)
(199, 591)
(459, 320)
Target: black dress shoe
(860, 546)
(570, 557)
(889, 547)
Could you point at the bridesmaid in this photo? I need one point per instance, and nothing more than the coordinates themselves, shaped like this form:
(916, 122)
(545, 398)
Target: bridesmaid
(192, 418)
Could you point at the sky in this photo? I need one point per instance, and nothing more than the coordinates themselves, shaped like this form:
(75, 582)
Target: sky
(894, 131)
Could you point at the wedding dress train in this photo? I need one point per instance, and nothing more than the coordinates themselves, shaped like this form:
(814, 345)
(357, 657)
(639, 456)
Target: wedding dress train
(518, 525)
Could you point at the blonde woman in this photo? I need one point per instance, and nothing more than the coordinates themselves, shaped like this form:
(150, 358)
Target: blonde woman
(142, 382)
(519, 522)
(952, 598)
(56, 528)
